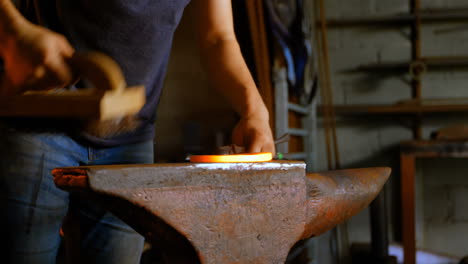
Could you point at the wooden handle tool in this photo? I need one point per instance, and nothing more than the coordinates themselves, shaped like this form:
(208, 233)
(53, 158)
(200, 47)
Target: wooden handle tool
(109, 99)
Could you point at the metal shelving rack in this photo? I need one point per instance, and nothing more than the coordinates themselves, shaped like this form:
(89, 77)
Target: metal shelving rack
(416, 106)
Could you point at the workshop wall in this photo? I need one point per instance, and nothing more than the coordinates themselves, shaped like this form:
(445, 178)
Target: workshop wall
(442, 218)
(191, 115)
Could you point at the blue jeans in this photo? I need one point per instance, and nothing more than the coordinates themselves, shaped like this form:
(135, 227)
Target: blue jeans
(32, 208)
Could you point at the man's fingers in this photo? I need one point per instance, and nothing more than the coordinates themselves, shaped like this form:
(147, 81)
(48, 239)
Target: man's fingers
(258, 143)
(47, 82)
(56, 73)
(48, 77)
(66, 48)
(254, 135)
(261, 146)
(61, 71)
(254, 147)
(269, 147)
(39, 72)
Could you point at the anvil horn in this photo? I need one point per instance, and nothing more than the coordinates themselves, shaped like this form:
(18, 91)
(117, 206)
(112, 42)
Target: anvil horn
(336, 196)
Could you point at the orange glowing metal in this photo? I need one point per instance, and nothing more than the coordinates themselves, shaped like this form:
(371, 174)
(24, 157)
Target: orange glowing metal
(255, 157)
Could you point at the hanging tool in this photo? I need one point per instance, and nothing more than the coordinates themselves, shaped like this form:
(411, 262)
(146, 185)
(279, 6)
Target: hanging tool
(286, 19)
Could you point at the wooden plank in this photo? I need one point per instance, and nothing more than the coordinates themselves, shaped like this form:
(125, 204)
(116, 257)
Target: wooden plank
(408, 174)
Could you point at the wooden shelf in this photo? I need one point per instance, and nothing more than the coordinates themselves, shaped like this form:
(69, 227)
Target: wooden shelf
(407, 107)
(429, 62)
(426, 16)
(435, 148)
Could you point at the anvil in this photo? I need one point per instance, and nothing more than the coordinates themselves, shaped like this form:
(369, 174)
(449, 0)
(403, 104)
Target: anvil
(226, 213)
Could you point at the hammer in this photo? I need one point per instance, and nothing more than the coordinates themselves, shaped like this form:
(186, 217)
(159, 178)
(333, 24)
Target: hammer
(107, 108)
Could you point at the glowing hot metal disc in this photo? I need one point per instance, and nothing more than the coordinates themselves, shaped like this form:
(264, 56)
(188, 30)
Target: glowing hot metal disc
(254, 157)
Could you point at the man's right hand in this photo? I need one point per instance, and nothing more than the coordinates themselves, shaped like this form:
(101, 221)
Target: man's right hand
(35, 58)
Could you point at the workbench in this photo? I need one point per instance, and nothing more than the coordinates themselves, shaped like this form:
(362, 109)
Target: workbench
(409, 152)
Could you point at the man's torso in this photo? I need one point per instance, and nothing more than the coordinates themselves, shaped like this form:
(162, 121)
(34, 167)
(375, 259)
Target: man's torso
(137, 34)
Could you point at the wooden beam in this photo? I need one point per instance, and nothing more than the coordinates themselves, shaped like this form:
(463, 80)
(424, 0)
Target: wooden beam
(408, 174)
(261, 54)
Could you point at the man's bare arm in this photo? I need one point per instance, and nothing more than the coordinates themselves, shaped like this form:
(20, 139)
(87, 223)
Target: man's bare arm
(227, 69)
(10, 20)
(34, 56)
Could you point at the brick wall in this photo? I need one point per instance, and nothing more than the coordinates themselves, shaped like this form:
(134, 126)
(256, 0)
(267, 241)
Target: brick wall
(442, 214)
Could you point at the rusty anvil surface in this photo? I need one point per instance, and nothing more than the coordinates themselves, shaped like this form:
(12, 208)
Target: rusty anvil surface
(227, 213)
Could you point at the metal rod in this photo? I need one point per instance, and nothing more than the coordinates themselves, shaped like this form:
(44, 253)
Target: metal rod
(295, 156)
(298, 132)
(379, 227)
(323, 85)
(328, 87)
